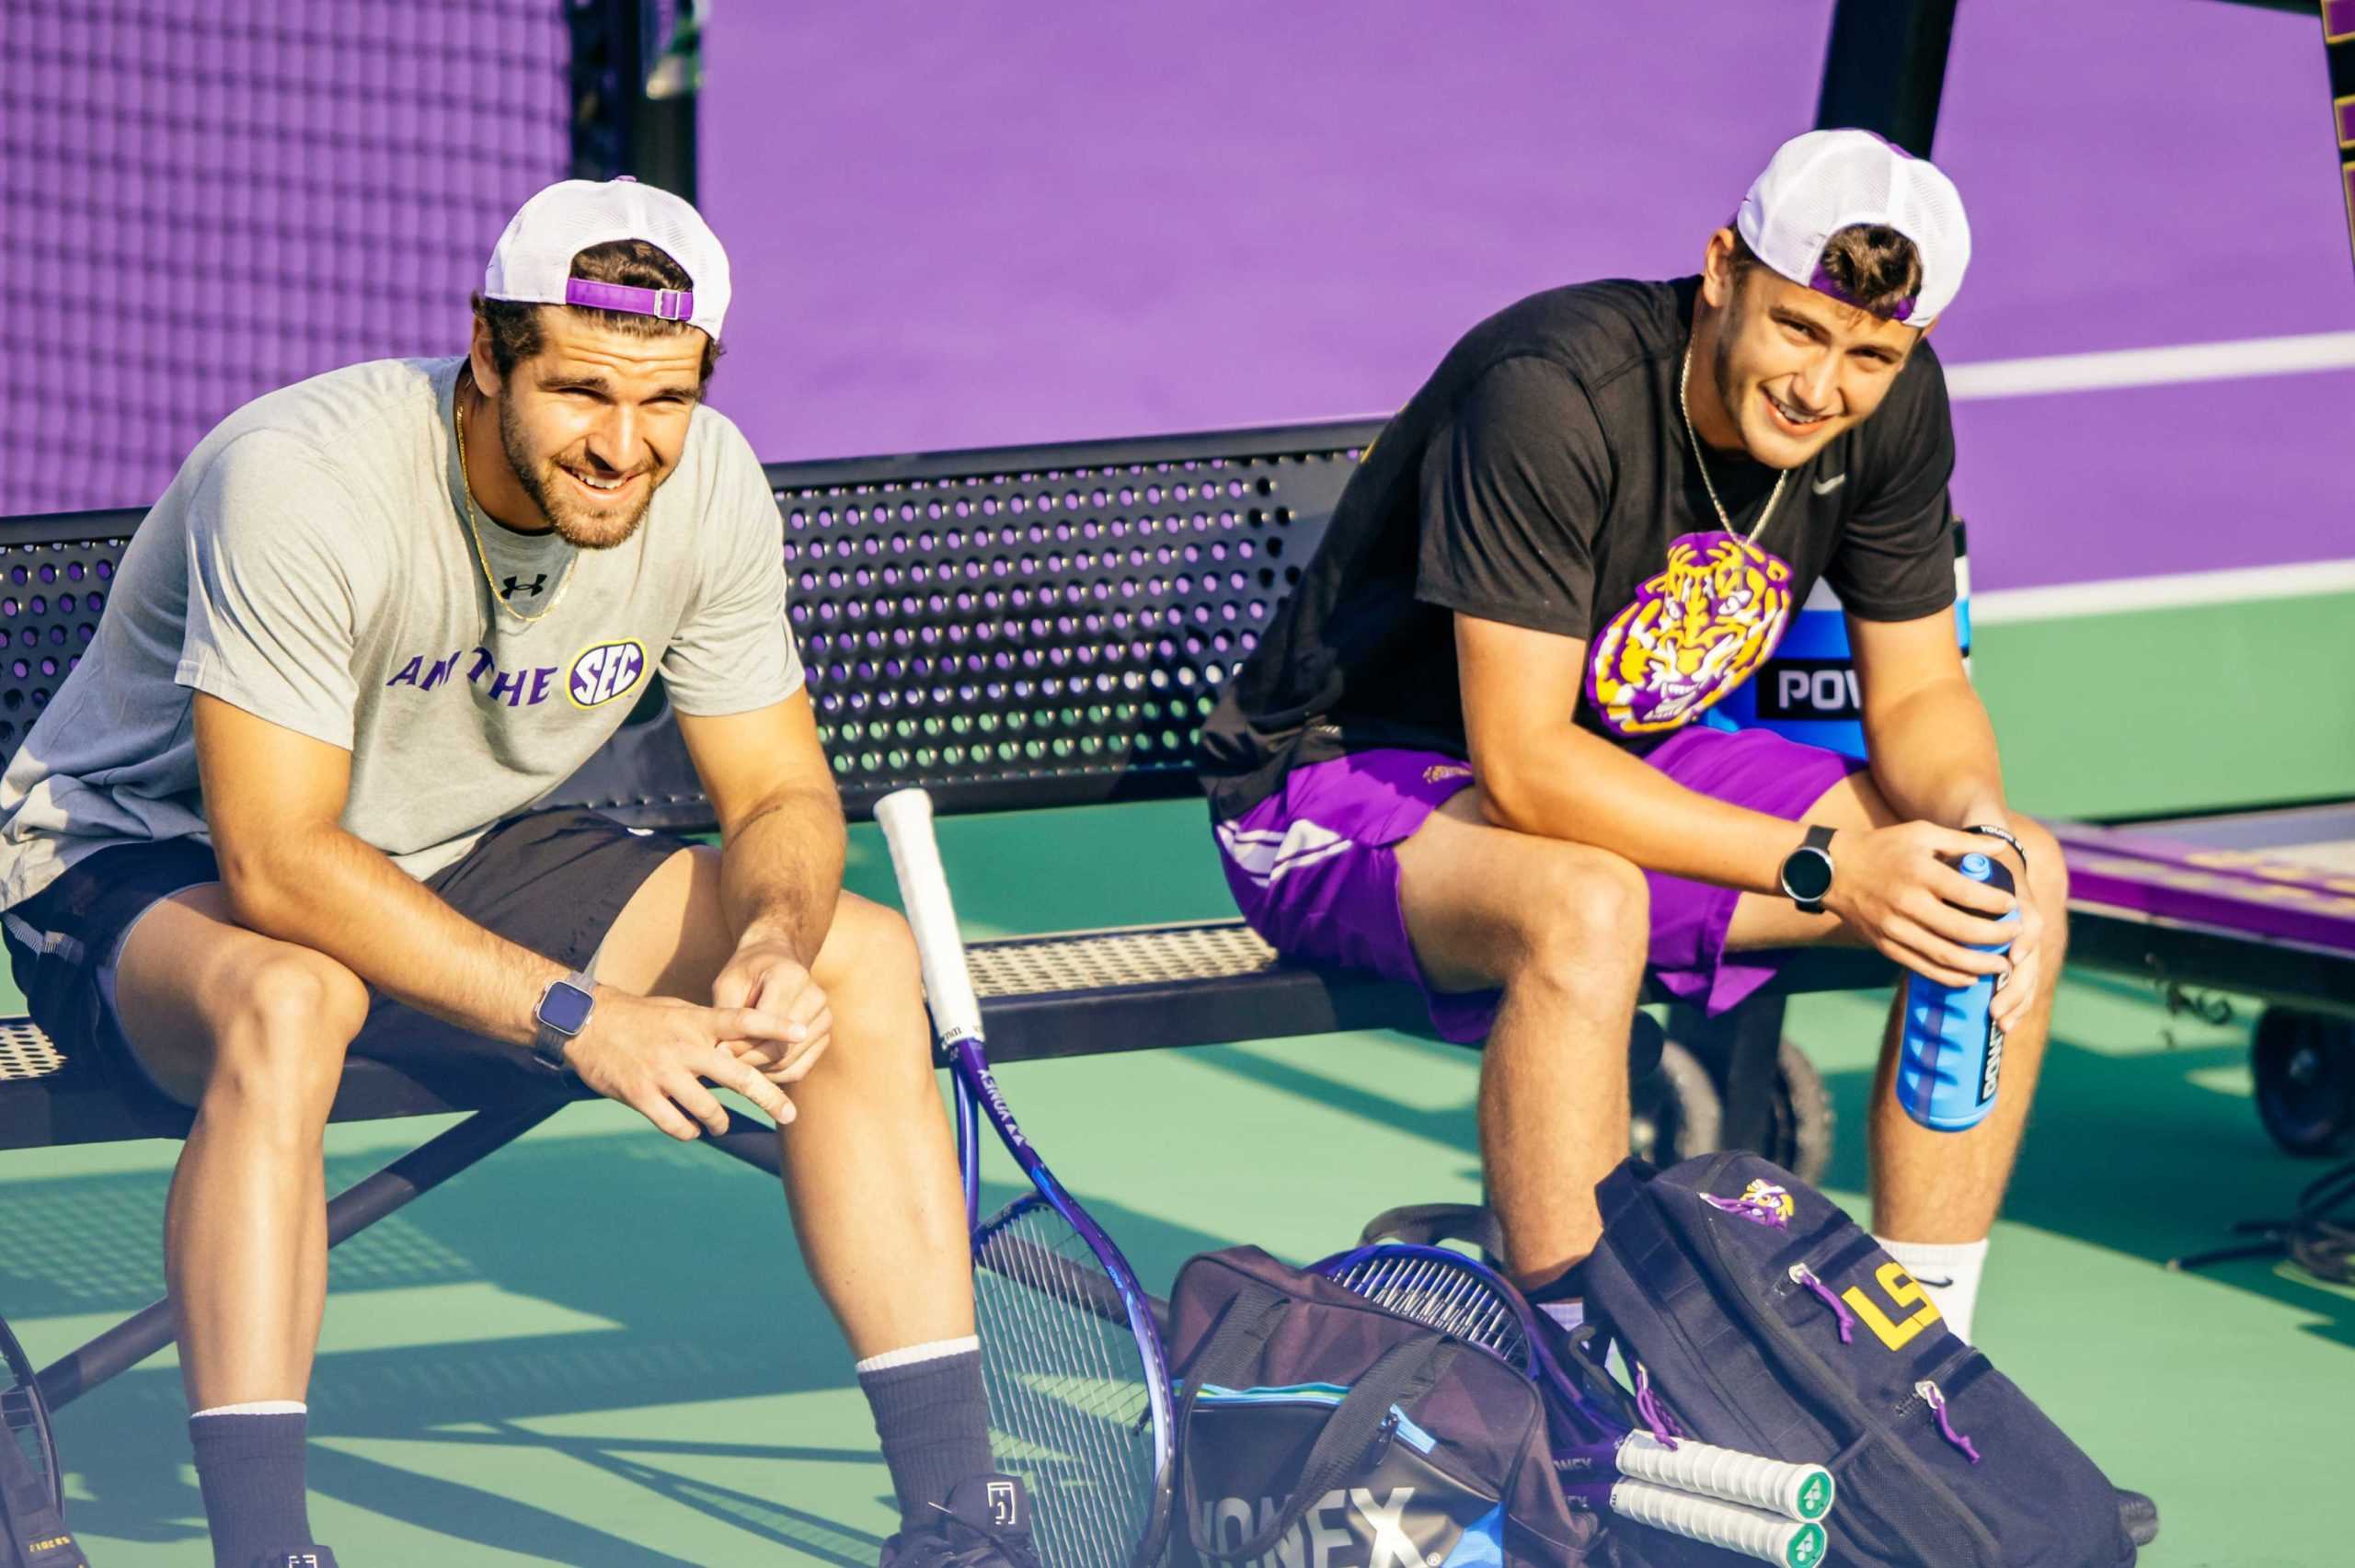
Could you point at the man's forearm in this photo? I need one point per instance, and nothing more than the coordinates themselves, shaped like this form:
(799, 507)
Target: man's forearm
(1577, 786)
(781, 870)
(323, 889)
(1934, 756)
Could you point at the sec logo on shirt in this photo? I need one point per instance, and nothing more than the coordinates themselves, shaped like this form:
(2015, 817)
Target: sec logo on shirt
(600, 674)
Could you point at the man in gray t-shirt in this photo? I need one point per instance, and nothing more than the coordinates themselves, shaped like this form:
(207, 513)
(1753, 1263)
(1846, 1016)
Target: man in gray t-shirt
(284, 811)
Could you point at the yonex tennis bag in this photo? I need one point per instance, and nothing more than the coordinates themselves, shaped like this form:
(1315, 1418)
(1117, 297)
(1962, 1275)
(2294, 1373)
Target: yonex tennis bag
(1313, 1427)
(1766, 1319)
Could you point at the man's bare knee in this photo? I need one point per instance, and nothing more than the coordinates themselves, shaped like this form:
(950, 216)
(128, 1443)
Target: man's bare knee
(2048, 868)
(279, 1026)
(869, 951)
(1587, 911)
(874, 982)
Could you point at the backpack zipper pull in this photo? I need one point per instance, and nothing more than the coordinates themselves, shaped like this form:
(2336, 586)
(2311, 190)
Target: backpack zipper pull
(1938, 1403)
(1379, 1449)
(1655, 1415)
(1801, 1274)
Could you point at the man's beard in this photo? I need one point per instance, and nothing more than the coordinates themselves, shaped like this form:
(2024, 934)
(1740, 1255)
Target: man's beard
(579, 526)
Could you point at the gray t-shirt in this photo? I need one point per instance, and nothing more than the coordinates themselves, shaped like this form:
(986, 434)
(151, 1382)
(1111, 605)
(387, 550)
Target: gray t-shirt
(312, 564)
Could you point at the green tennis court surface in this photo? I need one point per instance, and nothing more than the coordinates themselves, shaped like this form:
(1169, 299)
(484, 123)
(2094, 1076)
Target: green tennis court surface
(600, 1349)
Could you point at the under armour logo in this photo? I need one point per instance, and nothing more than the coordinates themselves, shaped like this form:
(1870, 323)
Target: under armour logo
(1002, 1507)
(514, 585)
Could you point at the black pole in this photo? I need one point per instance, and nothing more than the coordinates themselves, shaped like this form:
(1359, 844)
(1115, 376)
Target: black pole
(1885, 69)
(637, 69)
(2338, 45)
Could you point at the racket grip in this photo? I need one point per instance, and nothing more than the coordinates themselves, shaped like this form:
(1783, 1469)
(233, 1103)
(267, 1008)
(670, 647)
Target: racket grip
(905, 815)
(1794, 1543)
(1794, 1491)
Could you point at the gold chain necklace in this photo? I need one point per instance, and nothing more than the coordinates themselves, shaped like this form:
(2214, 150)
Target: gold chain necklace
(466, 483)
(1683, 375)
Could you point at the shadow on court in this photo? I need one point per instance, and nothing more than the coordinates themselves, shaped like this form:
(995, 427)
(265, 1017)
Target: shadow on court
(2139, 1154)
(682, 1262)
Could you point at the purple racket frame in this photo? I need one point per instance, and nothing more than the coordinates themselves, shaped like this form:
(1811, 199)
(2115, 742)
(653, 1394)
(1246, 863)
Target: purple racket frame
(1587, 1465)
(978, 1096)
(21, 1389)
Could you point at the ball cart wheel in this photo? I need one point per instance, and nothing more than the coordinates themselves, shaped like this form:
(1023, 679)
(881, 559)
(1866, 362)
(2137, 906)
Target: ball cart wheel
(1800, 1137)
(1677, 1112)
(2305, 1064)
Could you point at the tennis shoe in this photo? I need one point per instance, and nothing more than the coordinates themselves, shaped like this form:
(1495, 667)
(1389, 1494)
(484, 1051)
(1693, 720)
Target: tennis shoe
(986, 1524)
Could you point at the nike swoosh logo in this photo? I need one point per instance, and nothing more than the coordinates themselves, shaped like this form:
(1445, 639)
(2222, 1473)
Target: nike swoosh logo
(1933, 1284)
(1825, 486)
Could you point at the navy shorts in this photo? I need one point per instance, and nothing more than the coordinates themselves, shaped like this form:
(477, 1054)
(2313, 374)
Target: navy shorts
(552, 881)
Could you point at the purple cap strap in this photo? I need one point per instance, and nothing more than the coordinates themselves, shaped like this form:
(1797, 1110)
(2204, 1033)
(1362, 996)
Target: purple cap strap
(671, 304)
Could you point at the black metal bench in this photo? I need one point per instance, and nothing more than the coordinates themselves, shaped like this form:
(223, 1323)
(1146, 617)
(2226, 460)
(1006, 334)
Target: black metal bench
(1011, 628)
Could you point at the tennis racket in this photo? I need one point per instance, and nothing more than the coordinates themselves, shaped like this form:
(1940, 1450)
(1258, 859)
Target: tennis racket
(1078, 1382)
(32, 1488)
(1763, 1509)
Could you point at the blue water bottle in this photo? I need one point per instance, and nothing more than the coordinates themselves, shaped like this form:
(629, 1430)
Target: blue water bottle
(1951, 1060)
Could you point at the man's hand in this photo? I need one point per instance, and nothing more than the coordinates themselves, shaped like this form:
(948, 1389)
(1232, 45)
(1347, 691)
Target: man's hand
(1891, 885)
(2018, 988)
(765, 975)
(654, 1054)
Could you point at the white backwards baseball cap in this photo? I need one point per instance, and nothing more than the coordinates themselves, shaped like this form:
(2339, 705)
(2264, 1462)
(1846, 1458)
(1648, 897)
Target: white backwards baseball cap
(531, 264)
(1822, 182)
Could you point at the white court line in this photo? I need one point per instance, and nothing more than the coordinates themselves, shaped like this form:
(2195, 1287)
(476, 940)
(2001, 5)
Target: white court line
(2156, 367)
(2152, 367)
(2174, 591)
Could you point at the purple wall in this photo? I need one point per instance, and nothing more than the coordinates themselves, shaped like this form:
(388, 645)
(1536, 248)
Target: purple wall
(206, 202)
(962, 225)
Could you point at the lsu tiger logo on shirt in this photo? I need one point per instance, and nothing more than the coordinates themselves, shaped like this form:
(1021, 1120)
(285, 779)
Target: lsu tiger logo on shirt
(1690, 635)
(600, 674)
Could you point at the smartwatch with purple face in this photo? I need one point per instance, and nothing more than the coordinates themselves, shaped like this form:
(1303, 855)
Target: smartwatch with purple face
(562, 1013)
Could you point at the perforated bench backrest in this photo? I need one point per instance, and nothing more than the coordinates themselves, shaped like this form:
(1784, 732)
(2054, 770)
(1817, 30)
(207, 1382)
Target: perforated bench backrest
(1049, 625)
(56, 574)
(1007, 628)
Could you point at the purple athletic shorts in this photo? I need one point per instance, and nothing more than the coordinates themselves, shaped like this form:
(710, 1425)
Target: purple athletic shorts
(1314, 869)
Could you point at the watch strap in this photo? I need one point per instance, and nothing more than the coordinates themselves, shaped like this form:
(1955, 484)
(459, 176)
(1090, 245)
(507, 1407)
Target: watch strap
(1818, 840)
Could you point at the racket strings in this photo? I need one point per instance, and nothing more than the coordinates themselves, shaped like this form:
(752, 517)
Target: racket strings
(1058, 1391)
(1443, 1297)
(21, 1424)
(1066, 1385)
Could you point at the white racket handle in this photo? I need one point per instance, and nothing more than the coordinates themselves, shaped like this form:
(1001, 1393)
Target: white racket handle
(1794, 1491)
(1794, 1543)
(905, 815)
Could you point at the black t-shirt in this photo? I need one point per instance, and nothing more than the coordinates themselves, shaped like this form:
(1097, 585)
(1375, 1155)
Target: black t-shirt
(1540, 479)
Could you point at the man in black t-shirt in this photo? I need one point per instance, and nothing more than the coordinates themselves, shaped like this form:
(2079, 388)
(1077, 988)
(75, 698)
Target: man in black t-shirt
(1475, 747)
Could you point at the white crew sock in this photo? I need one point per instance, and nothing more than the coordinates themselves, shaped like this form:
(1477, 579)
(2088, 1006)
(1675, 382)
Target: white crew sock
(1949, 1271)
(260, 1407)
(917, 1354)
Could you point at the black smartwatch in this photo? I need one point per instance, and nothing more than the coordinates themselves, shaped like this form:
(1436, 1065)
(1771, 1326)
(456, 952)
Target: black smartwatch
(562, 1013)
(1807, 870)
